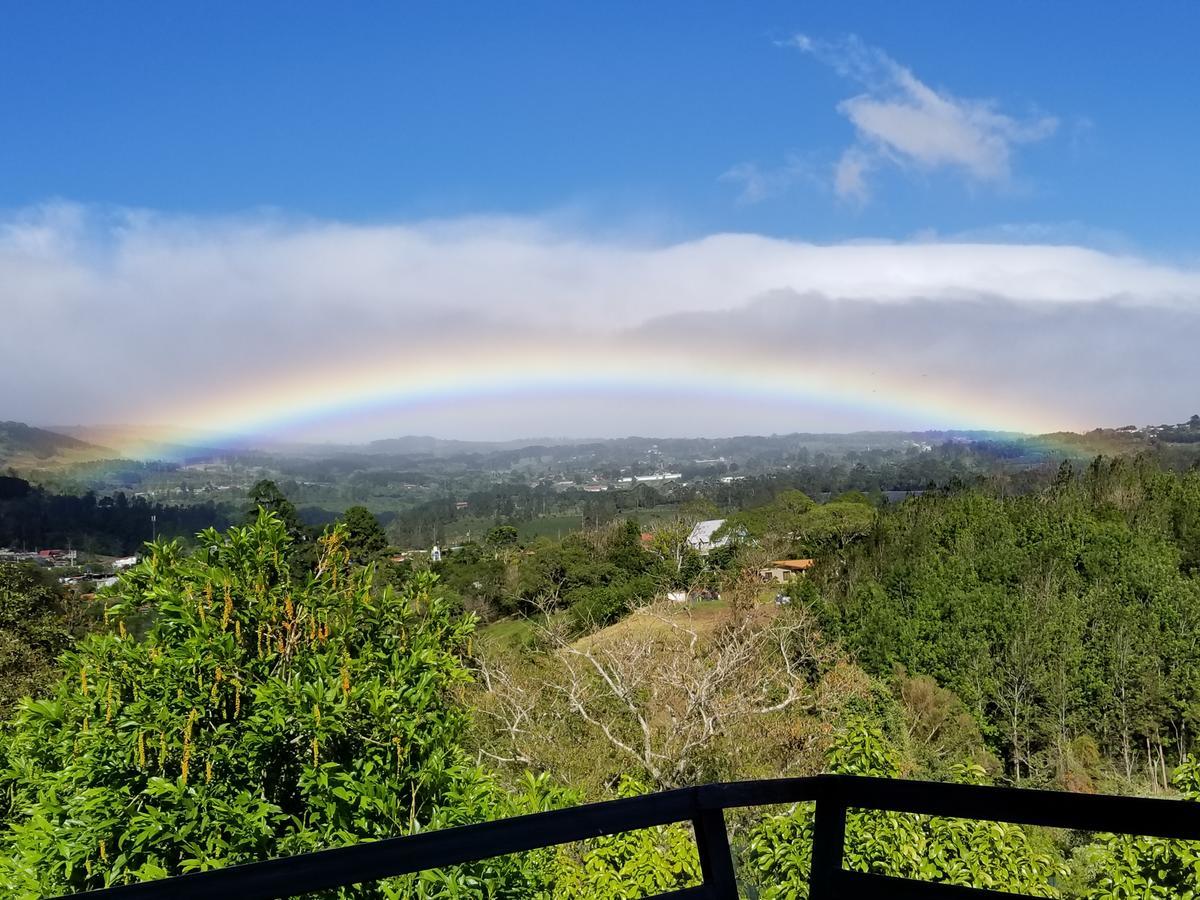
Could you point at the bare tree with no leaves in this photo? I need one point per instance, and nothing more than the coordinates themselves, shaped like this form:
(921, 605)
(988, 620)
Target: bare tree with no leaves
(662, 688)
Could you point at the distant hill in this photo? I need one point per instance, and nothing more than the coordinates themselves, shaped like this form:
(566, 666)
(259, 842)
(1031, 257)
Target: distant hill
(23, 445)
(1130, 439)
(431, 446)
(147, 442)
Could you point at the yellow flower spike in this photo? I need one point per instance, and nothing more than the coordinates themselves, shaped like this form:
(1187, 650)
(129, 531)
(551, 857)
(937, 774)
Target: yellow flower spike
(227, 612)
(187, 729)
(83, 682)
(162, 748)
(141, 750)
(207, 771)
(103, 852)
(121, 628)
(87, 865)
(346, 681)
(85, 724)
(237, 630)
(208, 593)
(289, 609)
(316, 752)
(237, 698)
(187, 745)
(108, 703)
(202, 614)
(317, 714)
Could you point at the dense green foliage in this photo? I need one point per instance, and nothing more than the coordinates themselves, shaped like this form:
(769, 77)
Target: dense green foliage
(260, 716)
(598, 576)
(952, 851)
(365, 539)
(33, 632)
(35, 518)
(1125, 867)
(1065, 620)
(794, 525)
(636, 863)
(282, 697)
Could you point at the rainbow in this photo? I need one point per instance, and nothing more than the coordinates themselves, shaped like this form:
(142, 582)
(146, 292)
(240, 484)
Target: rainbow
(239, 413)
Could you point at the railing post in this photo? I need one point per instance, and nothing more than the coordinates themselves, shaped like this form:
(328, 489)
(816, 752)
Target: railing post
(829, 837)
(716, 861)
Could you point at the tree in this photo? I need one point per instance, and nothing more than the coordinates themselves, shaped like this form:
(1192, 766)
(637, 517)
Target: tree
(660, 696)
(365, 538)
(266, 495)
(501, 537)
(833, 526)
(33, 632)
(777, 522)
(625, 550)
(260, 716)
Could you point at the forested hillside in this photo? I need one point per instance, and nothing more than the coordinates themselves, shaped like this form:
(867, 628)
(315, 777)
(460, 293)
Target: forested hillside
(33, 517)
(1066, 620)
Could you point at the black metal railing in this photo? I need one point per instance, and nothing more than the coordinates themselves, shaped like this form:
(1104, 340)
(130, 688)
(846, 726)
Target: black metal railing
(704, 808)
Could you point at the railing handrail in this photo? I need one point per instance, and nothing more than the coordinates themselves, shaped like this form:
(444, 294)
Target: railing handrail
(704, 807)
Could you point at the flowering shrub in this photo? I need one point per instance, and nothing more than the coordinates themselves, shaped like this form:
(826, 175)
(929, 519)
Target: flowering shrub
(259, 716)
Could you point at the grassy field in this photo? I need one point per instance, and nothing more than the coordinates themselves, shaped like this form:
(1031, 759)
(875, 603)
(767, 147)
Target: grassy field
(509, 632)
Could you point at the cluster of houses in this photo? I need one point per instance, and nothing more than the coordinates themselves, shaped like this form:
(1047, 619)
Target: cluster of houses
(52, 557)
(49, 557)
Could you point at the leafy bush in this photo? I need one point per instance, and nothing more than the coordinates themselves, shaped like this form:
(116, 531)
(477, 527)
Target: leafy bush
(260, 716)
(632, 864)
(954, 851)
(1123, 867)
(33, 632)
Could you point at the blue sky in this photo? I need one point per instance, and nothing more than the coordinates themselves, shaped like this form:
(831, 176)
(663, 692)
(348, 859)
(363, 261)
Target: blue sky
(882, 215)
(618, 112)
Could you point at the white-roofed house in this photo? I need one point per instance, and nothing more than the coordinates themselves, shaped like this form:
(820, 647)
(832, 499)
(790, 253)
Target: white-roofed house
(702, 539)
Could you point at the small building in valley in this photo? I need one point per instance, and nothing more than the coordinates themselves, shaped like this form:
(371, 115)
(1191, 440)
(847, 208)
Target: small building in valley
(703, 537)
(785, 569)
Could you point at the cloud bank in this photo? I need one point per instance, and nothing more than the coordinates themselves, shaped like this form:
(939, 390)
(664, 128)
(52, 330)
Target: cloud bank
(122, 316)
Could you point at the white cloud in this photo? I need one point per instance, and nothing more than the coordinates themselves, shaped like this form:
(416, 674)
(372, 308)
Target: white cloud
(111, 316)
(900, 119)
(850, 175)
(759, 184)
